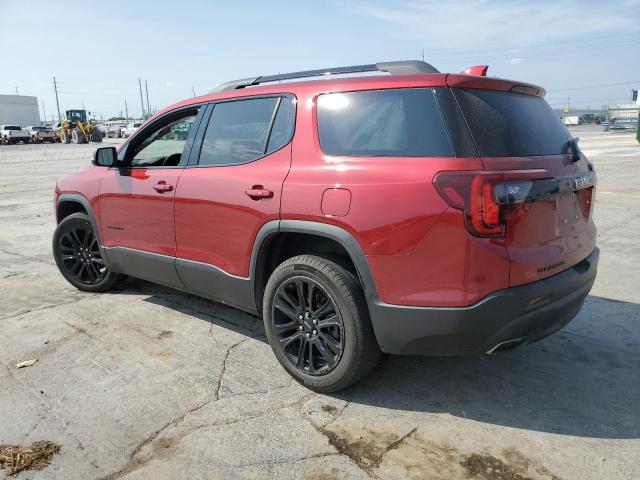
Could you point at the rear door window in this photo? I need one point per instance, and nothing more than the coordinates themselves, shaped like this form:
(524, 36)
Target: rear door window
(383, 123)
(505, 124)
(242, 131)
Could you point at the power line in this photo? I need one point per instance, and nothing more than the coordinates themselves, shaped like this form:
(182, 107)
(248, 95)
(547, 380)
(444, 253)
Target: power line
(520, 47)
(539, 54)
(593, 86)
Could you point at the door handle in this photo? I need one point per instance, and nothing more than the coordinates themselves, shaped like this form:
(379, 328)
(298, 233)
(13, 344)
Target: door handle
(258, 191)
(162, 187)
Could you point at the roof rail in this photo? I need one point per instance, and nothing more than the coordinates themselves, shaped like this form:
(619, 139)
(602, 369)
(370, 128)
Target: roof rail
(404, 67)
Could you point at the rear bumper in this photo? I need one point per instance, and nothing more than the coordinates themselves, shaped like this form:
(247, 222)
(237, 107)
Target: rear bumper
(500, 317)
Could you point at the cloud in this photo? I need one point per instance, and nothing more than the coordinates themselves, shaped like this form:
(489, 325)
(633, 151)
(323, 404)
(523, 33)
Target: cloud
(169, 83)
(476, 24)
(516, 61)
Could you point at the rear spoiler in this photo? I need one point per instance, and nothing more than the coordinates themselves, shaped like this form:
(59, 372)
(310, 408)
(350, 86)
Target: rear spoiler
(479, 70)
(476, 77)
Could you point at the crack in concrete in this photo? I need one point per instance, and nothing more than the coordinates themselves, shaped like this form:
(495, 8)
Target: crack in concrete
(224, 364)
(346, 405)
(39, 309)
(341, 451)
(134, 463)
(285, 461)
(342, 447)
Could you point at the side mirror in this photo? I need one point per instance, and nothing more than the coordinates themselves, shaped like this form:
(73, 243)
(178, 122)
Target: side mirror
(105, 157)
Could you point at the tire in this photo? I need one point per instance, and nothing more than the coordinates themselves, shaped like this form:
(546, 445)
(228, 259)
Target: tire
(96, 136)
(77, 136)
(64, 138)
(77, 255)
(335, 332)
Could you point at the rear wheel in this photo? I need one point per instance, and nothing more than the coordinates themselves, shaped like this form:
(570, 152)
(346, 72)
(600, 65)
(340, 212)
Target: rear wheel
(77, 254)
(318, 325)
(64, 138)
(96, 136)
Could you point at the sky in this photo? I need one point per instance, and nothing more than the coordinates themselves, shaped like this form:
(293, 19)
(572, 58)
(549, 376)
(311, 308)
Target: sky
(583, 52)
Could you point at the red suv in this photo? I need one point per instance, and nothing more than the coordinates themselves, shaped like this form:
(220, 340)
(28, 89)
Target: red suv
(408, 212)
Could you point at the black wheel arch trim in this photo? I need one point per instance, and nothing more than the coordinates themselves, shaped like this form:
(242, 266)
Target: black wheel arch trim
(82, 201)
(341, 236)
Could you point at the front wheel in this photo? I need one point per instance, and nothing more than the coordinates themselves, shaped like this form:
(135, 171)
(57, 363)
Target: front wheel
(318, 325)
(77, 254)
(77, 136)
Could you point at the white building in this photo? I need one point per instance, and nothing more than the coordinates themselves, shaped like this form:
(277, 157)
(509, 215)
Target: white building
(19, 110)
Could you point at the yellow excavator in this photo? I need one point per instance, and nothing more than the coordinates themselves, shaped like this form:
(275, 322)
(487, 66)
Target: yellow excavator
(75, 128)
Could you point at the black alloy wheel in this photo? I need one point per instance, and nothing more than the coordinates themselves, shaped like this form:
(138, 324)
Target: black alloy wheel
(77, 253)
(80, 255)
(308, 326)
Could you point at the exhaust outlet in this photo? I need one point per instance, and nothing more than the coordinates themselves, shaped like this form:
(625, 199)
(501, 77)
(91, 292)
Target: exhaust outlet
(506, 345)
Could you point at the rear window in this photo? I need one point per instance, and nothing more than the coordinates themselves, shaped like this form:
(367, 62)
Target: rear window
(511, 124)
(11, 127)
(382, 123)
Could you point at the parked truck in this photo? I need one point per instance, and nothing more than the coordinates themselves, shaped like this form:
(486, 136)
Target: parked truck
(12, 134)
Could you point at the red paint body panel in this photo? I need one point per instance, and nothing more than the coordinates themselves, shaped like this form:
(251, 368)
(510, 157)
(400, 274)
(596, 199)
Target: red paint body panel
(216, 222)
(448, 267)
(133, 214)
(336, 202)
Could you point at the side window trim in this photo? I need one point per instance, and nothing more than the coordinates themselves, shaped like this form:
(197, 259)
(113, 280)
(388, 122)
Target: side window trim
(199, 129)
(124, 161)
(194, 160)
(271, 123)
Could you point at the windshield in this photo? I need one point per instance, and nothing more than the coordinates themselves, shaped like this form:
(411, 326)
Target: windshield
(507, 124)
(11, 127)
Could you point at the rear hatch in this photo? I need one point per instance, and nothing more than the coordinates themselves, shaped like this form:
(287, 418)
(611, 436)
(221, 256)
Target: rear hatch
(538, 188)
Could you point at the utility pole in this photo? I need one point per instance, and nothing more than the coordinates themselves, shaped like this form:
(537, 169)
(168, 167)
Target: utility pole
(55, 88)
(44, 113)
(16, 90)
(193, 88)
(146, 87)
(82, 102)
(423, 54)
(141, 100)
(126, 109)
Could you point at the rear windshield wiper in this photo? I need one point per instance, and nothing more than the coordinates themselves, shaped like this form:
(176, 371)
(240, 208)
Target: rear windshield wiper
(572, 145)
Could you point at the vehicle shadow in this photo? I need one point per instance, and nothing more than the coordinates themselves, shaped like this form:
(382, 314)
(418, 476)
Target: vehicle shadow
(583, 381)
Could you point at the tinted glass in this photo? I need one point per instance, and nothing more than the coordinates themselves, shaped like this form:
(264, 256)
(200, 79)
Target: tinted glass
(238, 131)
(512, 124)
(282, 125)
(163, 146)
(11, 127)
(399, 123)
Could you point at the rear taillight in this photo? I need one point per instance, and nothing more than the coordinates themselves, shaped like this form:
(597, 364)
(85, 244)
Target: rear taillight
(486, 197)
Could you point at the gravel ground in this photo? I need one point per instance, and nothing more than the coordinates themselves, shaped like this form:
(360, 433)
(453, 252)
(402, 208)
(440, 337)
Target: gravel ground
(150, 383)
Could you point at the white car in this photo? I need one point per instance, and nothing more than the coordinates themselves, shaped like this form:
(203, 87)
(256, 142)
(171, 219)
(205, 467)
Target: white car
(129, 129)
(41, 134)
(11, 134)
